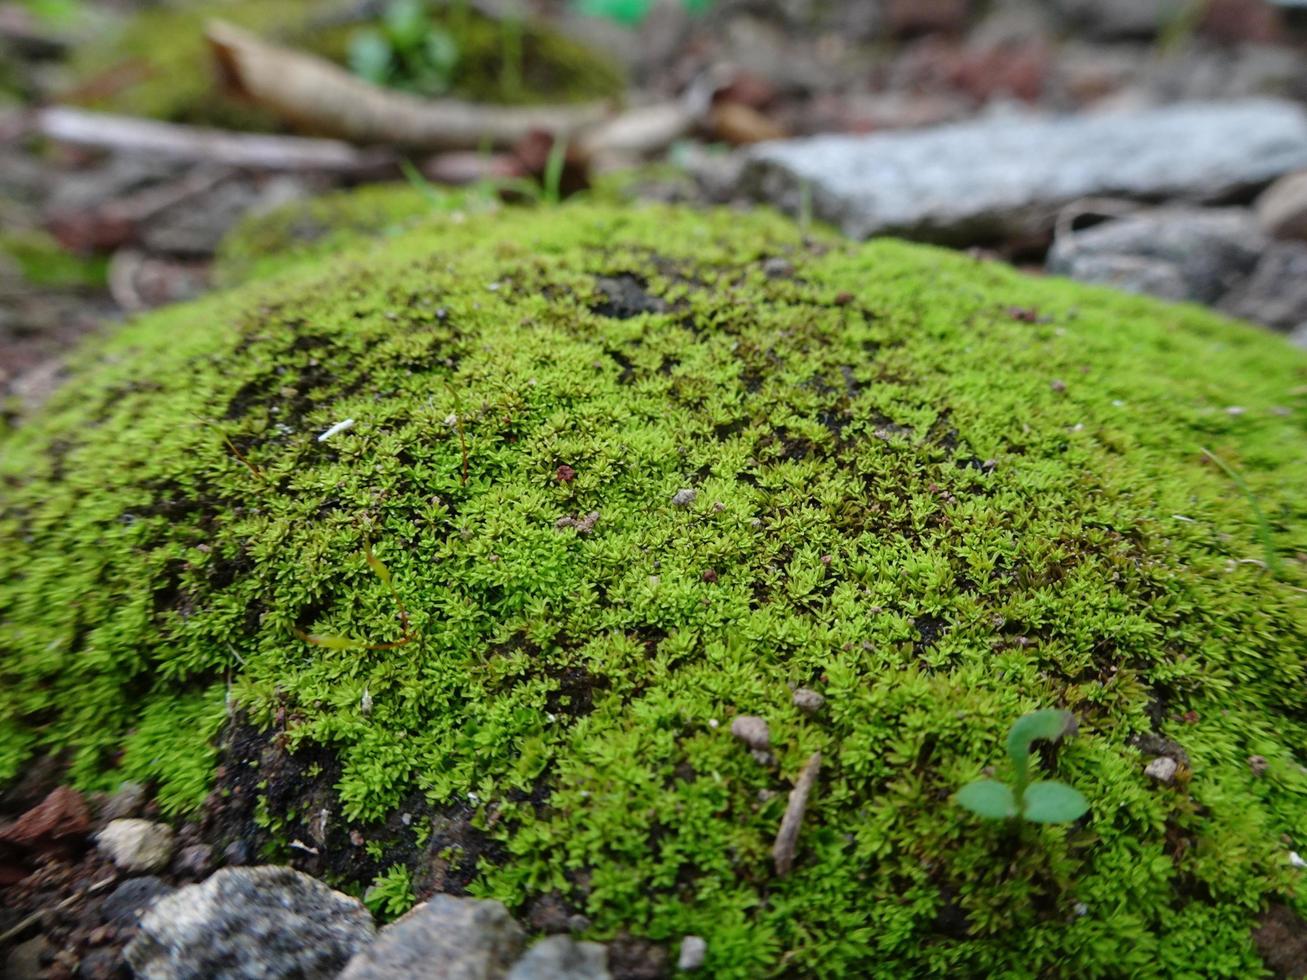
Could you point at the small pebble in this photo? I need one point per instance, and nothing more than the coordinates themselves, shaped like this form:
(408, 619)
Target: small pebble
(752, 731)
(137, 846)
(1296, 860)
(1257, 764)
(565, 474)
(693, 951)
(808, 701)
(195, 861)
(1058, 385)
(1162, 769)
(684, 498)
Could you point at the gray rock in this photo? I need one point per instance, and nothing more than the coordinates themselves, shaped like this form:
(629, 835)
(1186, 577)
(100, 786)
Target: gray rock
(24, 961)
(1114, 20)
(1162, 769)
(1011, 174)
(253, 924)
(137, 846)
(683, 498)
(128, 801)
(1298, 336)
(469, 938)
(194, 861)
(1194, 254)
(752, 731)
(1282, 207)
(562, 958)
(693, 951)
(1276, 293)
(808, 700)
(124, 907)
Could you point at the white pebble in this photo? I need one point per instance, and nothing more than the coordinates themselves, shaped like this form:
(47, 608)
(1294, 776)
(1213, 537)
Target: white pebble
(693, 951)
(1162, 769)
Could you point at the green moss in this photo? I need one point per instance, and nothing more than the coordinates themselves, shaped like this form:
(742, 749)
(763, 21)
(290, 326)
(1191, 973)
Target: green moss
(284, 236)
(940, 492)
(41, 261)
(158, 64)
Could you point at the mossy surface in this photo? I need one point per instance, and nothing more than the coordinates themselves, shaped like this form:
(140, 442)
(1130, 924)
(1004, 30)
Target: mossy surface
(158, 65)
(938, 492)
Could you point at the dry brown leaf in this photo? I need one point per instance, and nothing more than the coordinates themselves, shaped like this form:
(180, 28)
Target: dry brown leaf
(323, 98)
(739, 124)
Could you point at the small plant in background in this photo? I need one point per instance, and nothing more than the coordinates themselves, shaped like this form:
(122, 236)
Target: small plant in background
(1041, 802)
(631, 12)
(391, 894)
(406, 52)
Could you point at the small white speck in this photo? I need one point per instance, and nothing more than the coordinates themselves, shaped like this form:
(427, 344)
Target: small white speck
(451, 420)
(1117, 403)
(551, 716)
(1081, 908)
(1296, 860)
(473, 798)
(1181, 517)
(493, 287)
(406, 819)
(1235, 410)
(336, 429)
(365, 703)
(713, 723)
(1078, 427)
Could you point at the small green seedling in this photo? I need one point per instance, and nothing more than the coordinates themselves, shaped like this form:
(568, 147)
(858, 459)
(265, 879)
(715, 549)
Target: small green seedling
(1041, 802)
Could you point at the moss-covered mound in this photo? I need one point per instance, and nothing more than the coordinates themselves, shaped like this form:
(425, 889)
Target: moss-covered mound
(937, 492)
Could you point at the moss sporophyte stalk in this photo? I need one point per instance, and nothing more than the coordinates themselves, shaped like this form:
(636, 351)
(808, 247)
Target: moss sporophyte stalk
(533, 698)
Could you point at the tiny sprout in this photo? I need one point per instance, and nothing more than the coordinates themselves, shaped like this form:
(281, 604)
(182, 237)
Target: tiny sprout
(1041, 802)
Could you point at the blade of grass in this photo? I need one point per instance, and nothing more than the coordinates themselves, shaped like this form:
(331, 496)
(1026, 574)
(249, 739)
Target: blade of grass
(1264, 533)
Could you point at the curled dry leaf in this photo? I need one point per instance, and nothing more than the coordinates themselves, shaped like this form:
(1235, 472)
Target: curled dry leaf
(321, 97)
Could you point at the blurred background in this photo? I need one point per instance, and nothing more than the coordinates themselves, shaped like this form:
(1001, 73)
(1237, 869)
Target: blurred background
(1155, 145)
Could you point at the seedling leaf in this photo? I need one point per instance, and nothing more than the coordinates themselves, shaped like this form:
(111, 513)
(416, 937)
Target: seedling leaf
(1053, 802)
(988, 798)
(1048, 723)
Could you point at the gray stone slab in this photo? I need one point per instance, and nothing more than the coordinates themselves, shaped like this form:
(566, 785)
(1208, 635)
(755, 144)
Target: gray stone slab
(1006, 175)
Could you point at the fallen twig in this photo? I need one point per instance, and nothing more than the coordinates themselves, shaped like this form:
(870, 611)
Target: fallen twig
(782, 851)
(27, 922)
(317, 95)
(191, 143)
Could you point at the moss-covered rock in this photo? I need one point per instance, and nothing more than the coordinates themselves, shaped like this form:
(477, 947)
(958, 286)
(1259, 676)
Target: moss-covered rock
(938, 492)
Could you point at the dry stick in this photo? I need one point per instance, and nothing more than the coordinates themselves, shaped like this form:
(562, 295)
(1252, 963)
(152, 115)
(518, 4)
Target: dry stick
(782, 851)
(309, 91)
(26, 923)
(147, 137)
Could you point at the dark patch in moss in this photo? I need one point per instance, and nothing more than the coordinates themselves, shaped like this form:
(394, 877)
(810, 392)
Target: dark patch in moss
(626, 296)
(267, 797)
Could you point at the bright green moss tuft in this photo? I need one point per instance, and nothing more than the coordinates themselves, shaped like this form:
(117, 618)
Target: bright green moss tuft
(939, 492)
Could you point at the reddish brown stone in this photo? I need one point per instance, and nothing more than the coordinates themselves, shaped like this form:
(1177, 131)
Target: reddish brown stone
(62, 816)
(1236, 21)
(909, 17)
